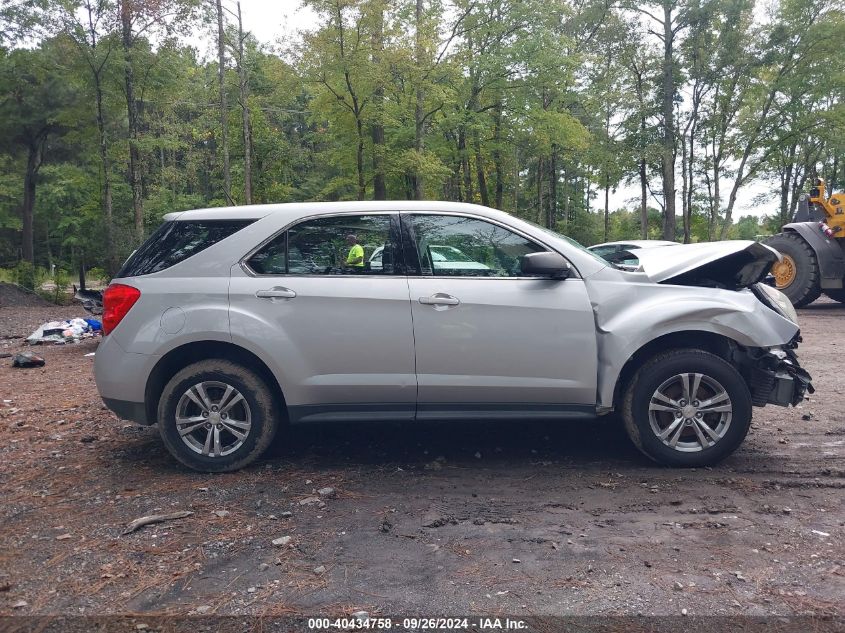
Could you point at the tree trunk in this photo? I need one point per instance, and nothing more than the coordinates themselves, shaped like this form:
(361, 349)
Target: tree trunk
(606, 206)
(111, 254)
(643, 199)
(132, 115)
(567, 196)
(479, 170)
(685, 177)
(668, 161)
(717, 200)
(516, 182)
(464, 165)
(497, 156)
(244, 90)
(641, 142)
(35, 155)
(540, 206)
(419, 123)
(553, 176)
(786, 184)
(377, 131)
(224, 107)
(359, 158)
(690, 184)
(96, 71)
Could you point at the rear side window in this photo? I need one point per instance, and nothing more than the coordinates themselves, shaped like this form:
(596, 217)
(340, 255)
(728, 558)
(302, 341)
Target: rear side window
(176, 241)
(336, 245)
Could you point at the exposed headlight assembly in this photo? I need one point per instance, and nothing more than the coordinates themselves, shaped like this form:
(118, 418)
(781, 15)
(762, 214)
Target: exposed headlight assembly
(777, 301)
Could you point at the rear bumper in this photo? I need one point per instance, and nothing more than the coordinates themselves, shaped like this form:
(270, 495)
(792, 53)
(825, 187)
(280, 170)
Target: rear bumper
(127, 410)
(121, 379)
(777, 378)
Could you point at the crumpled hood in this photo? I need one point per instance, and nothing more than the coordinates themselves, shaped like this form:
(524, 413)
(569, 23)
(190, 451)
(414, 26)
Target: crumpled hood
(732, 264)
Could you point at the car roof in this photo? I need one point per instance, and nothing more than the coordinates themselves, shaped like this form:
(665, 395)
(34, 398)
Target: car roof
(270, 218)
(637, 243)
(256, 211)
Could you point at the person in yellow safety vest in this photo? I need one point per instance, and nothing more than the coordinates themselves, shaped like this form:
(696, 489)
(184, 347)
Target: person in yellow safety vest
(355, 259)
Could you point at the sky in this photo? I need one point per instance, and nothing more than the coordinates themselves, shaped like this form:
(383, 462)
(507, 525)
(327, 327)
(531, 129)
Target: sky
(274, 21)
(270, 20)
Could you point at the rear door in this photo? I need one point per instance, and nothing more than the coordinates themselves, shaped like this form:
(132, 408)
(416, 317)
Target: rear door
(340, 334)
(489, 339)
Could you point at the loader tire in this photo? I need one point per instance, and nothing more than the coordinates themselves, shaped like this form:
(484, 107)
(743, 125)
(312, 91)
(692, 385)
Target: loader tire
(797, 276)
(837, 294)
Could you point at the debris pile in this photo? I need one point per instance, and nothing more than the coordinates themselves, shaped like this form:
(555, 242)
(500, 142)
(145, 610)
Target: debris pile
(27, 359)
(91, 300)
(61, 332)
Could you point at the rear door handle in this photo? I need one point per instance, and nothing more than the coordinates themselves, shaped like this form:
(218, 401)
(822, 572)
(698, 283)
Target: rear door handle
(440, 299)
(276, 293)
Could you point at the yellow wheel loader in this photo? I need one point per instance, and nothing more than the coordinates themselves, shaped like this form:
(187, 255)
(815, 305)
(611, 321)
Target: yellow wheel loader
(813, 248)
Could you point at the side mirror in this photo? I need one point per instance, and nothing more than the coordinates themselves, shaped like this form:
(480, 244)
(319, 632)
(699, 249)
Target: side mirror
(545, 264)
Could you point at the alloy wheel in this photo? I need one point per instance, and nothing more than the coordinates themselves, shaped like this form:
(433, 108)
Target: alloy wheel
(213, 418)
(690, 412)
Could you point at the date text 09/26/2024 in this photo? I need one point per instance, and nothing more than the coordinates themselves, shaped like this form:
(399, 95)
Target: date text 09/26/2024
(418, 624)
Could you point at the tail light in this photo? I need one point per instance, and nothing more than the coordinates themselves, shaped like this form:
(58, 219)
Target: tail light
(118, 299)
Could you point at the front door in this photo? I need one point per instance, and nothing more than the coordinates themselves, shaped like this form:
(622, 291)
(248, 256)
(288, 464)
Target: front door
(488, 339)
(337, 328)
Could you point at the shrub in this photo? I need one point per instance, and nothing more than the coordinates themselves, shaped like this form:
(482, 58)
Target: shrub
(28, 276)
(61, 278)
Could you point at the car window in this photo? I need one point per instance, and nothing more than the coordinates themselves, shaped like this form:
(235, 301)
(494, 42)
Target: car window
(468, 247)
(176, 241)
(337, 245)
(601, 251)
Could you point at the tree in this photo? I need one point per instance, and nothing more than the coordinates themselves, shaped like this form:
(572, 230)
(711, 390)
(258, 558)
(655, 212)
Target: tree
(91, 27)
(138, 19)
(34, 97)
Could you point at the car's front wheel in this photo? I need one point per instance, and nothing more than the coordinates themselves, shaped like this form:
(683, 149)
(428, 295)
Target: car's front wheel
(216, 416)
(687, 407)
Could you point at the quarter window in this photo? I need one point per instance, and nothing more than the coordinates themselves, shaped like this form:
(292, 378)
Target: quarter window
(337, 245)
(176, 241)
(468, 247)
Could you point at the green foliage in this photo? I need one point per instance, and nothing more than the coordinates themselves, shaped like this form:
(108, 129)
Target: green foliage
(28, 276)
(61, 279)
(538, 108)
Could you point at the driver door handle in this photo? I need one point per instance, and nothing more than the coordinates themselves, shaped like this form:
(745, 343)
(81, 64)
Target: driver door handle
(276, 293)
(440, 299)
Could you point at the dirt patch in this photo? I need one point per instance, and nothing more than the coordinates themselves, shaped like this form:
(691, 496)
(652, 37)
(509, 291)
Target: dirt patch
(14, 296)
(531, 518)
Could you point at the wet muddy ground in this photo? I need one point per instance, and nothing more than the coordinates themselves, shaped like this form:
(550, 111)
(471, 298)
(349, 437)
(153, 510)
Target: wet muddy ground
(531, 518)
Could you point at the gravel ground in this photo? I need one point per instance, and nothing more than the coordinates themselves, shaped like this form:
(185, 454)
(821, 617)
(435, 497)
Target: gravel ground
(522, 519)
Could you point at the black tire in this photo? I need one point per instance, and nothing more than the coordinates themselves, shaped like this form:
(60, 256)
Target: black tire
(837, 294)
(256, 408)
(806, 285)
(660, 370)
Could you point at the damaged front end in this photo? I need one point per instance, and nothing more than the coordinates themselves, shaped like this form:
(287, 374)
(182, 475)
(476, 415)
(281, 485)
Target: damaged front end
(773, 373)
(775, 377)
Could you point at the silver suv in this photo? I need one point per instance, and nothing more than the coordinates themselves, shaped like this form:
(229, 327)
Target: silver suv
(229, 323)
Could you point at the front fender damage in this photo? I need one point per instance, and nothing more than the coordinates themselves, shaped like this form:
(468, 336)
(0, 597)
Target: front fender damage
(775, 377)
(757, 339)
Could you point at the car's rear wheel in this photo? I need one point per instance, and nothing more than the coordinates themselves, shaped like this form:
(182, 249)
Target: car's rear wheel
(216, 416)
(687, 407)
